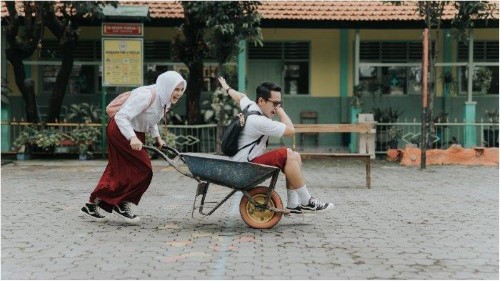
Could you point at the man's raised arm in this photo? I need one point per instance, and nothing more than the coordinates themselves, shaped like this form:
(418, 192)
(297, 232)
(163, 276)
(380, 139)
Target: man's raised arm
(235, 95)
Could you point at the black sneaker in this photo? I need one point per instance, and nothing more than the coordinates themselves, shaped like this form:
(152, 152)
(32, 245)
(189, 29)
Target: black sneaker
(296, 210)
(92, 211)
(316, 205)
(124, 212)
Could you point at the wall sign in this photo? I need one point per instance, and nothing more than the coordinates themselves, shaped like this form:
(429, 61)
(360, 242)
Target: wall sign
(122, 62)
(122, 29)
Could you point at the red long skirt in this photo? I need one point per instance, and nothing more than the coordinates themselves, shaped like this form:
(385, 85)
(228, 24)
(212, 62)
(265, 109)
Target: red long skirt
(128, 173)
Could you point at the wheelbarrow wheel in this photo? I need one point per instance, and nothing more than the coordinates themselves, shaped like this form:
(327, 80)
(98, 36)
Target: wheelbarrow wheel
(256, 217)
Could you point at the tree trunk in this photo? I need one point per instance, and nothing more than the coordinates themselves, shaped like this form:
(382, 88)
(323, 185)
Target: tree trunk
(195, 85)
(57, 97)
(15, 58)
(220, 122)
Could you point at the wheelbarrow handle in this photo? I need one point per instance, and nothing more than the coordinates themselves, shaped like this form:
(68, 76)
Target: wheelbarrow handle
(162, 154)
(171, 162)
(171, 149)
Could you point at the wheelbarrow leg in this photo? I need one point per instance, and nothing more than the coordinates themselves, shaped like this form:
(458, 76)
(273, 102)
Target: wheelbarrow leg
(201, 190)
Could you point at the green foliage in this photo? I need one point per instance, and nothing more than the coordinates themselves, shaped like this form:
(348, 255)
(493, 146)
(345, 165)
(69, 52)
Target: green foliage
(84, 136)
(220, 103)
(84, 113)
(491, 115)
(441, 117)
(386, 115)
(23, 37)
(168, 137)
(450, 82)
(482, 78)
(37, 135)
(357, 93)
(468, 12)
(212, 28)
(395, 133)
(228, 22)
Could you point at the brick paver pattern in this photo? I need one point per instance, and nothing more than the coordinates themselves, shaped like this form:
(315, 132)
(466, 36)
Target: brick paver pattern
(437, 223)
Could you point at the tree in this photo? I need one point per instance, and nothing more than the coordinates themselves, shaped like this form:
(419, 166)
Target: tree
(63, 19)
(236, 21)
(212, 28)
(432, 12)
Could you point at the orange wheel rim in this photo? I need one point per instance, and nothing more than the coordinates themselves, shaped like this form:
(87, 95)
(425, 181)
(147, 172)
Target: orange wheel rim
(258, 214)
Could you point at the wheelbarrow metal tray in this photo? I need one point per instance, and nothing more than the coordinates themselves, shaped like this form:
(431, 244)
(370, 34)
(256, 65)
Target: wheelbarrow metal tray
(222, 171)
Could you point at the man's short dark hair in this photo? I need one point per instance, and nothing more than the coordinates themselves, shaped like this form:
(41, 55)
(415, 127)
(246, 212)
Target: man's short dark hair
(264, 90)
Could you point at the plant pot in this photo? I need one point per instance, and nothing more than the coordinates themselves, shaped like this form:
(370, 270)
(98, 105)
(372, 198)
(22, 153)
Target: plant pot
(23, 156)
(83, 157)
(393, 144)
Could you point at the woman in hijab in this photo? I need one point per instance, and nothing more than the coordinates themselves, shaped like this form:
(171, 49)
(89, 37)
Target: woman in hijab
(128, 173)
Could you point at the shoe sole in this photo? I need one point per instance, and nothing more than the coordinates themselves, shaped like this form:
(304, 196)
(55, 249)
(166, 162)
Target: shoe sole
(136, 220)
(330, 206)
(87, 215)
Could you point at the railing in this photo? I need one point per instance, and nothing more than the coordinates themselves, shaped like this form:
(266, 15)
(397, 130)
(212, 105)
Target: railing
(202, 138)
(194, 138)
(446, 134)
(188, 138)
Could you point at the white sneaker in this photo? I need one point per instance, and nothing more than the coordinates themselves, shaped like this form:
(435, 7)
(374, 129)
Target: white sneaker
(124, 212)
(316, 205)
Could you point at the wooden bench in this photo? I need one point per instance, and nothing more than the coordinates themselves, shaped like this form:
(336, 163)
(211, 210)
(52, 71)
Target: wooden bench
(361, 128)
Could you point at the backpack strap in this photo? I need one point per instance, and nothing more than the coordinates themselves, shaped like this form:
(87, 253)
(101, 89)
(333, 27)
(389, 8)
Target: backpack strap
(255, 142)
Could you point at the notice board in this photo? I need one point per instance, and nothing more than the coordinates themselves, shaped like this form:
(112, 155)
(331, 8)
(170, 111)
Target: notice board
(122, 62)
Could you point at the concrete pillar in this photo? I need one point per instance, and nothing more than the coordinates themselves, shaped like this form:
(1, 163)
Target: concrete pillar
(242, 67)
(470, 130)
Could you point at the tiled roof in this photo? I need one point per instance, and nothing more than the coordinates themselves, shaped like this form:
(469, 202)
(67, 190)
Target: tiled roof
(307, 10)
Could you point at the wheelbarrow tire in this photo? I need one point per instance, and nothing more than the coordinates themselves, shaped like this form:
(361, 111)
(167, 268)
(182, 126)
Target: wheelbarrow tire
(257, 218)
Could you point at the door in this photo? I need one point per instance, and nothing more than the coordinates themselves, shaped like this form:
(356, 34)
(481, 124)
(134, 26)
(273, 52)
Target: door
(264, 71)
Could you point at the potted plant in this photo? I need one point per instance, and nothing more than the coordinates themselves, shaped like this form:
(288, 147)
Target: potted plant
(395, 134)
(386, 115)
(491, 134)
(482, 78)
(84, 112)
(84, 137)
(22, 144)
(36, 137)
(357, 93)
(450, 83)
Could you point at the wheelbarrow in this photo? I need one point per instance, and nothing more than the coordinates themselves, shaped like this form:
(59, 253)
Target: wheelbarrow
(260, 206)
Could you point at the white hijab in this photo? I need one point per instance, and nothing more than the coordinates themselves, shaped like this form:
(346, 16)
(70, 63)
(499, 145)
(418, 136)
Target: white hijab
(165, 85)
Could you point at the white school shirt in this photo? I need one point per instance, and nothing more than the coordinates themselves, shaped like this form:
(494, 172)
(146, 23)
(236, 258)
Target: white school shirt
(136, 114)
(256, 126)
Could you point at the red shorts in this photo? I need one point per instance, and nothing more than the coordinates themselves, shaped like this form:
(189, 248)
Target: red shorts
(276, 158)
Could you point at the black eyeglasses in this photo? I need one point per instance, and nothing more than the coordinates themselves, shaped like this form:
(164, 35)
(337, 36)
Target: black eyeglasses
(275, 103)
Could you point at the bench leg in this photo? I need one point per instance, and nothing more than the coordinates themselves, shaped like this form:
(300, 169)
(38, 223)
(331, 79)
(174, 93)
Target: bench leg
(368, 173)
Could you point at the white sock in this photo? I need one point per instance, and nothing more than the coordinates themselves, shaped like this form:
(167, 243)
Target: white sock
(292, 198)
(304, 195)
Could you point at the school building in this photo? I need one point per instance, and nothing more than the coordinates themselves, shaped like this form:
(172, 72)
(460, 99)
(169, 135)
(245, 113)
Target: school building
(317, 51)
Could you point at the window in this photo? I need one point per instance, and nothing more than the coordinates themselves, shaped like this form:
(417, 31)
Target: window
(485, 77)
(293, 56)
(390, 68)
(81, 81)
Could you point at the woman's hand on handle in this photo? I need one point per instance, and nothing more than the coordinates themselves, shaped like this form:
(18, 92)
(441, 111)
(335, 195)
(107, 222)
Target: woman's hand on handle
(160, 142)
(135, 143)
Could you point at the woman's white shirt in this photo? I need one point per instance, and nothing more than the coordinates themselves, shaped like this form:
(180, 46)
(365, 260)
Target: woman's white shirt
(256, 126)
(137, 115)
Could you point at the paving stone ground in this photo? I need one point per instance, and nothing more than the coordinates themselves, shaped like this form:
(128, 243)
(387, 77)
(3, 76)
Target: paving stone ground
(437, 223)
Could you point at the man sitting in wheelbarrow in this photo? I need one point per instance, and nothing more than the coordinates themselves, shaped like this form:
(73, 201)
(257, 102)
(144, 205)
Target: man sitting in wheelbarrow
(268, 103)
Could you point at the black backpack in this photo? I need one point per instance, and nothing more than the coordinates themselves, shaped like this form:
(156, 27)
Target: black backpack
(232, 132)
